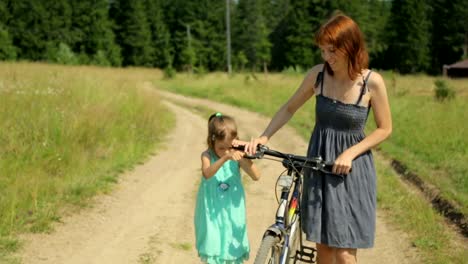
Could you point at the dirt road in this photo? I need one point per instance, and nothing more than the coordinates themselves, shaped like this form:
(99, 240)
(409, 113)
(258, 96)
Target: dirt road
(148, 218)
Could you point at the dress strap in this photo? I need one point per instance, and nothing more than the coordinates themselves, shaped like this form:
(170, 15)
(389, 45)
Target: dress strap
(364, 87)
(319, 79)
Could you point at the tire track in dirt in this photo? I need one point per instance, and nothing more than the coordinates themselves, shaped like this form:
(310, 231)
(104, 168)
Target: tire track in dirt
(148, 217)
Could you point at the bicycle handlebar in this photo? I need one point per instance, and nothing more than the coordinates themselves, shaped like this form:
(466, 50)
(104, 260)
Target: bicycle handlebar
(315, 163)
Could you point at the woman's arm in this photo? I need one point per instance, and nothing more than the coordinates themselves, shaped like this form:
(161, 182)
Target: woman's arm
(284, 114)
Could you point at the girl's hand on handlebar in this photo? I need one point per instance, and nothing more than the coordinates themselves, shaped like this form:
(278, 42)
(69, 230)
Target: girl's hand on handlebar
(233, 154)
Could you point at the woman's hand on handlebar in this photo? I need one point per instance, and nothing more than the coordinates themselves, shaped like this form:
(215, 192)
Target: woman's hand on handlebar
(237, 143)
(342, 164)
(251, 147)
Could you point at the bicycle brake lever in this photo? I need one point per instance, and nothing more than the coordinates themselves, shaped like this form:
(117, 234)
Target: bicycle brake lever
(257, 155)
(327, 168)
(247, 156)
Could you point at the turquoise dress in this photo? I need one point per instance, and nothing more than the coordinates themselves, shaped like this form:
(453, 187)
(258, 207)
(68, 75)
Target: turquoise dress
(220, 221)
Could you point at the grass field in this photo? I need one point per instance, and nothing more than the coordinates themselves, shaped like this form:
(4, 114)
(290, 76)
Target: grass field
(65, 135)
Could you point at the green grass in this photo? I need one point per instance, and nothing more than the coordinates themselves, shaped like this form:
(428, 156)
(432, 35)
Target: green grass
(182, 246)
(410, 212)
(66, 134)
(431, 139)
(428, 136)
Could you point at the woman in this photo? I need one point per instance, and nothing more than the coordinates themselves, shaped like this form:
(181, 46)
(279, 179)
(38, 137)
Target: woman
(339, 213)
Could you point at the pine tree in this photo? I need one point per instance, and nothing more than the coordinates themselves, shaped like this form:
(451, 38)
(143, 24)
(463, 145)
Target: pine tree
(449, 27)
(377, 15)
(36, 26)
(263, 47)
(462, 17)
(132, 31)
(252, 33)
(197, 28)
(160, 35)
(176, 17)
(300, 25)
(91, 32)
(7, 50)
(408, 36)
(371, 17)
(209, 34)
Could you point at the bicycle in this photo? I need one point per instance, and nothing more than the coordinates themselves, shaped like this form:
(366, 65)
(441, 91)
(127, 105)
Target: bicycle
(282, 242)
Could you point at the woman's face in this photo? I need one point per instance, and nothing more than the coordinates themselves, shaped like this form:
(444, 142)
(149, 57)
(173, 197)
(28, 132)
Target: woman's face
(335, 58)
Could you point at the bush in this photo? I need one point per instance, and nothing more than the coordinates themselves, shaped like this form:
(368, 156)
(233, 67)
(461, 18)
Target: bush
(169, 72)
(61, 54)
(443, 91)
(100, 59)
(200, 70)
(294, 70)
(7, 50)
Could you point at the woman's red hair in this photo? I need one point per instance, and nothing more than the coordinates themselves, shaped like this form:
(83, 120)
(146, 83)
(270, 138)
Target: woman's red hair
(344, 34)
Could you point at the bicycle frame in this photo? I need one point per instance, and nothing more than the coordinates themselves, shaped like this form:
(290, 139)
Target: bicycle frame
(286, 214)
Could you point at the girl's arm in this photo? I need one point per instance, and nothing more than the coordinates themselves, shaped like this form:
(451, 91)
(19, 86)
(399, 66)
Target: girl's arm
(249, 167)
(383, 120)
(208, 169)
(284, 114)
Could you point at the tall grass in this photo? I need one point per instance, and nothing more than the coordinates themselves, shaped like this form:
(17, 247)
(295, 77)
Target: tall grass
(430, 136)
(65, 134)
(429, 234)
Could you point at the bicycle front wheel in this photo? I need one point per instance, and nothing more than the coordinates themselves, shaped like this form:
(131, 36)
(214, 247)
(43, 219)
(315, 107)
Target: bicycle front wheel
(294, 241)
(269, 251)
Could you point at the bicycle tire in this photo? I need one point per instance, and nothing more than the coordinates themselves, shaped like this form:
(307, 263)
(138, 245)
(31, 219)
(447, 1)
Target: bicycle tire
(269, 252)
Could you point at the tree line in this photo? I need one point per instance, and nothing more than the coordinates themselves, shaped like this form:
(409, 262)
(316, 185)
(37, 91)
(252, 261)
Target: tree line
(408, 36)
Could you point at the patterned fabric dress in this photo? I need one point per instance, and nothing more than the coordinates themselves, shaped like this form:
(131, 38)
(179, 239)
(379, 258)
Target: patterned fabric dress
(340, 212)
(220, 220)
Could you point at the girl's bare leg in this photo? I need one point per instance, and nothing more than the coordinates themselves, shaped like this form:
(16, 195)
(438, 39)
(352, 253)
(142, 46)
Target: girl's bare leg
(346, 256)
(325, 254)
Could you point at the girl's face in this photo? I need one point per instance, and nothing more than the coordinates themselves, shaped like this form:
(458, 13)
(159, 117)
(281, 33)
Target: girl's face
(335, 58)
(221, 146)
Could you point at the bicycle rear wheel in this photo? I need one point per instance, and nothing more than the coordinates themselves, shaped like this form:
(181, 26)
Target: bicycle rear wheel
(269, 251)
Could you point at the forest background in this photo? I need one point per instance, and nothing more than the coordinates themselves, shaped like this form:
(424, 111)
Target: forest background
(266, 35)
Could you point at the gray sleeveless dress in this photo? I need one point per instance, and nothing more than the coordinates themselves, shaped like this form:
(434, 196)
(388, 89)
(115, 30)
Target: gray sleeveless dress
(340, 212)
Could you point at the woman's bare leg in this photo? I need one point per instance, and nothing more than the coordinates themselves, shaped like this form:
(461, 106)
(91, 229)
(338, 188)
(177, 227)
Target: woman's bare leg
(346, 256)
(325, 254)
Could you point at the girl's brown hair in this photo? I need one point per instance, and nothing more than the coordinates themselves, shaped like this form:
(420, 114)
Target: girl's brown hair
(344, 34)
(220, 127)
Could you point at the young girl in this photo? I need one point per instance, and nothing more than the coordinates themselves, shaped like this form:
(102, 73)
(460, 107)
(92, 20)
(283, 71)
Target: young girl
(220, 220)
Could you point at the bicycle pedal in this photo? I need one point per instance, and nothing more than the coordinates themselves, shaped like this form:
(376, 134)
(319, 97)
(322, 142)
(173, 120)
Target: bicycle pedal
(306, 254)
